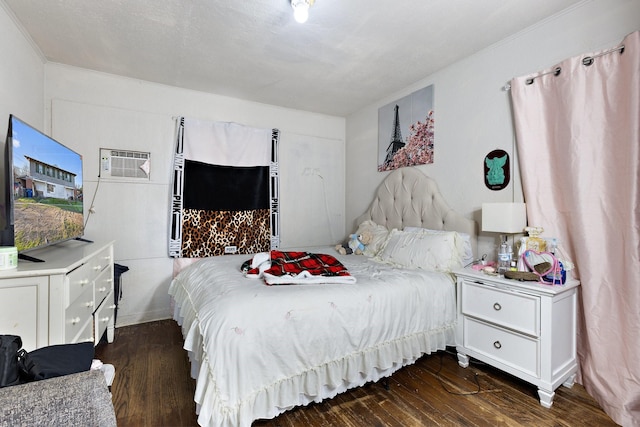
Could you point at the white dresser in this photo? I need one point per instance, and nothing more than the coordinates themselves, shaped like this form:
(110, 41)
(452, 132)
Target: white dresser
(67, 298)
(527, 329)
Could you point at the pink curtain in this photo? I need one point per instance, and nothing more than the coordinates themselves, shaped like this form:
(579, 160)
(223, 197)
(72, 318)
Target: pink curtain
(578, 136)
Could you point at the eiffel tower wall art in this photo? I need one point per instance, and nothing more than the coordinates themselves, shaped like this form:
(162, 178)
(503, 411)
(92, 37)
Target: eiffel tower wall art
(405, 131)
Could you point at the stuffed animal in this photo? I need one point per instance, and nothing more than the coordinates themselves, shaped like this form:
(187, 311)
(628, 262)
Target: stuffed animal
(356, 243)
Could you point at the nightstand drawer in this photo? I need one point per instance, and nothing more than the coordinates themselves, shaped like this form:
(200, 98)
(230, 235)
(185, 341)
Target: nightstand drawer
(510, 309)
(518, 351)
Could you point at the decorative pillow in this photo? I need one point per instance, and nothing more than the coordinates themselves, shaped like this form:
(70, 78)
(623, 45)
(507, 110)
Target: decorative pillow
(463, 242)
(379, 233)
(422, 249)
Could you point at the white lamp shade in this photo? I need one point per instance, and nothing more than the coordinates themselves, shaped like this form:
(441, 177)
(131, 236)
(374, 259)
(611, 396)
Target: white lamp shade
(507, 218)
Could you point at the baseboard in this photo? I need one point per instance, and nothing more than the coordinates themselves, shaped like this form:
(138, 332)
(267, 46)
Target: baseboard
(137, 318)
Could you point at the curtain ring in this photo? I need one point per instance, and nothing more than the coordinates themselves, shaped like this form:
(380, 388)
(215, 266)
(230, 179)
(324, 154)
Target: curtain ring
(529, 81)
(557, 71)
(587, 61)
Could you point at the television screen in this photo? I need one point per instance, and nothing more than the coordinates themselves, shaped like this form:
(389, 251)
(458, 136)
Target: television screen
(45, 187)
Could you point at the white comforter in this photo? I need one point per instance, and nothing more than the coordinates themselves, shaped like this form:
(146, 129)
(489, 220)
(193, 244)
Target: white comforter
(259, 350)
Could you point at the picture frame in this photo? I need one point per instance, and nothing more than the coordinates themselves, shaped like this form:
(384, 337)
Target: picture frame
(406, 131)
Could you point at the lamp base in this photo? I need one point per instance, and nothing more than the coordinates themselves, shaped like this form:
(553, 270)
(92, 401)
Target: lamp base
(505, 254)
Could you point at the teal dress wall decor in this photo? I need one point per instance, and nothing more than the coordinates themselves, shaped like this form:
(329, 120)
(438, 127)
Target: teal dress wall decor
(497, 170)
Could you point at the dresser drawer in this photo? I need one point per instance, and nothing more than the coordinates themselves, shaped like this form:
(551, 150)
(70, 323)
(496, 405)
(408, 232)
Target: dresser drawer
(507, 347)
(101, 261)
(79, 280)
(78, 312)
(103, 315)
(103, 285)
(81, 277)
(85, 335)
(510, 309)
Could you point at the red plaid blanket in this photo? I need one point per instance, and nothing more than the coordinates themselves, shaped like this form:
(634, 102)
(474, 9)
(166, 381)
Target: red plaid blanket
(296, 262)
(304, 267)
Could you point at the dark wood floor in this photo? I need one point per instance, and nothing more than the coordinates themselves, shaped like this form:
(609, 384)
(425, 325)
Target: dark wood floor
(152, 387)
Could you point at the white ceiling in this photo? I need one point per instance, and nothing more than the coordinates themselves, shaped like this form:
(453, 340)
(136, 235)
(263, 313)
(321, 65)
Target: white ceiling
(349, 54)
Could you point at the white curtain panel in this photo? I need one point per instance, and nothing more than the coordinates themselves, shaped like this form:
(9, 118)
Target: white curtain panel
(577, 127)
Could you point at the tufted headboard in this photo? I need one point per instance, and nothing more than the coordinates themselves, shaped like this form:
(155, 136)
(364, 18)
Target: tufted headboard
(409, 198)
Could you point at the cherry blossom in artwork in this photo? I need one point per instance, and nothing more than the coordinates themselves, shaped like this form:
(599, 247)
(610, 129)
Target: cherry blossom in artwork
(419, 147)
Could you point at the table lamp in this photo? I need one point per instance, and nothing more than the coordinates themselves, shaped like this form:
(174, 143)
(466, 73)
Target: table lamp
(504, 218)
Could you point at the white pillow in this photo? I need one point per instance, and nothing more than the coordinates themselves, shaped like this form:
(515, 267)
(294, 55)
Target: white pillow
(422, 249)
(463, 242)
(379, 237)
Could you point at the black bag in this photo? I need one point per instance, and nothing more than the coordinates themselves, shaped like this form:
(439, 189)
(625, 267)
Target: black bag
(9, 372)
(56, 360)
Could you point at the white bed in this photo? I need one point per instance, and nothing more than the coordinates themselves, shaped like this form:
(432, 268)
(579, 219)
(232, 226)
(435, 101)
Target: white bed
(257, 350)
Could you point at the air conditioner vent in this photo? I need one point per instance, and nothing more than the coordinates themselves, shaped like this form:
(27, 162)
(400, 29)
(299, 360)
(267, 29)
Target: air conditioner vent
(124, 164)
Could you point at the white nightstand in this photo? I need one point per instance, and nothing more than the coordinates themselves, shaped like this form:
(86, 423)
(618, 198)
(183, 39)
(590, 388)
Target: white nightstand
(527, 329)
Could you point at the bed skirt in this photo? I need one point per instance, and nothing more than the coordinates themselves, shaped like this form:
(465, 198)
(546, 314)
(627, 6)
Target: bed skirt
(313, 385)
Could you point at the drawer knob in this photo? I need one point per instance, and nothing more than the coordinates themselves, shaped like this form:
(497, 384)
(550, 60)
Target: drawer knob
(104, 319)
(89, 304)
(112, 307)
(497, 345)
(97, 267)
(497, 306)
(102, 289)
(84, 282)
(75, 320)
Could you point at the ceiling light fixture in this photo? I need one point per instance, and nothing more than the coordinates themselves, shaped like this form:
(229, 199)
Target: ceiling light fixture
(301, 9)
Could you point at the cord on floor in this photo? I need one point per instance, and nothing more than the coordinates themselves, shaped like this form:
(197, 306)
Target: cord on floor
(441, 381)
(385, 381)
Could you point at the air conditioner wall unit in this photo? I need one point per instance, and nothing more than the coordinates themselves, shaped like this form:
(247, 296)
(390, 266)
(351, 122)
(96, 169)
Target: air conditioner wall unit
(124, 164)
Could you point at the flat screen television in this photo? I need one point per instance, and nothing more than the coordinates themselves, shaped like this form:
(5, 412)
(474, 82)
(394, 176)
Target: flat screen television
(41, 190)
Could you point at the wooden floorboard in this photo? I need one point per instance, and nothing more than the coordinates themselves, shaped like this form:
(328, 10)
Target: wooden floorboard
(152, 387)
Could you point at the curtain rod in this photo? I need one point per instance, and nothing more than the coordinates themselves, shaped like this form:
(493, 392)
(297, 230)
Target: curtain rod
(586, 61)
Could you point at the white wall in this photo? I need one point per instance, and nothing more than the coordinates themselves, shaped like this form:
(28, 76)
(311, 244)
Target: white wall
(21, 75)
(90, 110)
(472, 111)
